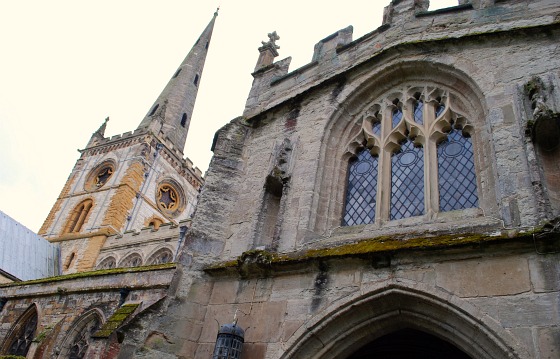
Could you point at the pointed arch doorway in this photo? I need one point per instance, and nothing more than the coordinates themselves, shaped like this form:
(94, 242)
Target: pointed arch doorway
(408, 321)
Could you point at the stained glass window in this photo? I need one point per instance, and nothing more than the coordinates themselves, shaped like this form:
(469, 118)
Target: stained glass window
(361, 190)
(407, 182)
(457, 179)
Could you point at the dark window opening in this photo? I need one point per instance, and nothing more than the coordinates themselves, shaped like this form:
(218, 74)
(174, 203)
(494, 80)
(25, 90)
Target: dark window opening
(177, 73)
(207, 43)
(23, 333)
(195, 80)
(184, 120)
(154, 110)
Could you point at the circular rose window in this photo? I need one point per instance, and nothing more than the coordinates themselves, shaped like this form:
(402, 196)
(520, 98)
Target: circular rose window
(99, 176)
(169, 198)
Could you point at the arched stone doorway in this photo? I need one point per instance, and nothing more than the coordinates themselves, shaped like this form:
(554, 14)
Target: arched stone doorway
(393, 313)
(409, 344)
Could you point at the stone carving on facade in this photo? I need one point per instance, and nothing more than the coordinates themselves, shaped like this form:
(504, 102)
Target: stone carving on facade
(545, 125)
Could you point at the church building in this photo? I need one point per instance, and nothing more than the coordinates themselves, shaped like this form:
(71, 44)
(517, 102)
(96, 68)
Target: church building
(396, 197)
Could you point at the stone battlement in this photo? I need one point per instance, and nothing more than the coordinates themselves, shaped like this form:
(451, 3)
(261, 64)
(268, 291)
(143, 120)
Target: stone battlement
(405, 22)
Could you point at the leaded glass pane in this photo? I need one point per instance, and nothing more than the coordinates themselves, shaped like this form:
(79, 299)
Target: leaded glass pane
(361, 190)
(407, 182)
(418, 112)
(439, 110)
(397, 116)
(377, 128)
(456, 175)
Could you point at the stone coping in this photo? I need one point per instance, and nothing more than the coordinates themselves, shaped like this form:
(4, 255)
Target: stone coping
(315, 80)
(154, 276)
(263, 263)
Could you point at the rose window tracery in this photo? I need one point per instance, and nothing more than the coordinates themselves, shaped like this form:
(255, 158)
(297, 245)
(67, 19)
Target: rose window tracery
(169, 198)
(103, 175)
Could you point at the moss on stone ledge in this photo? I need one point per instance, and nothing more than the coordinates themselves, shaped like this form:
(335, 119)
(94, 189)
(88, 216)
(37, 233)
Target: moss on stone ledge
(115, 321)
(95, 273)
(383, 244)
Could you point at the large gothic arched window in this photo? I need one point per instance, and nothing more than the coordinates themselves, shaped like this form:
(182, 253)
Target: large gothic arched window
(77, 342)
(22, 333)
(417, 158)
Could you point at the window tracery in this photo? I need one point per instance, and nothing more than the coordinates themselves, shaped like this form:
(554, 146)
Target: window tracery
(170, 198)
(160, 257)
(133, 260)
(81, 342)
(423, 156)
(107, 263)
(78, 340)
(20, 339)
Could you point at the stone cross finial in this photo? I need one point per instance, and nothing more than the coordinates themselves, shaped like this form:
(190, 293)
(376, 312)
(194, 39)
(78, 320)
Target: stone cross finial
(268, 50)
(273, 36)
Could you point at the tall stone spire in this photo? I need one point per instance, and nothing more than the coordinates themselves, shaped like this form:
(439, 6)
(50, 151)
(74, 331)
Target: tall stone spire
(170, 116)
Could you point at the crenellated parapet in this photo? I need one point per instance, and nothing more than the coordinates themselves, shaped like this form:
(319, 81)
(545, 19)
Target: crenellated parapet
(405, 23)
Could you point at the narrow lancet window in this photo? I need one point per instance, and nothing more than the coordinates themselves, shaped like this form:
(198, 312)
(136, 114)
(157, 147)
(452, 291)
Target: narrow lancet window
(456, 174)
(184, 120)
(361, 190)
(177, 73)
(195, 80)
(407, 182)
(22, 334)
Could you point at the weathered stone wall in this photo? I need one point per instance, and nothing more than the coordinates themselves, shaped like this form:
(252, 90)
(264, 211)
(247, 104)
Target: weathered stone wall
(482, 278)
(61, 303)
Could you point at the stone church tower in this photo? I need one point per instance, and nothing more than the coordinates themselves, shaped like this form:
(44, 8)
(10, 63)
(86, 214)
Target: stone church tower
(132, 181)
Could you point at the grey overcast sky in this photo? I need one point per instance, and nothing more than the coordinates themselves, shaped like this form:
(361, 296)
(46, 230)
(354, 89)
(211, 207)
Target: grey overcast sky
(65, 65)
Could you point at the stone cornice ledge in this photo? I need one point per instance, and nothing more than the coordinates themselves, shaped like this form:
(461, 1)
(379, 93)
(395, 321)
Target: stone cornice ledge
(154, 276)
(258, 263)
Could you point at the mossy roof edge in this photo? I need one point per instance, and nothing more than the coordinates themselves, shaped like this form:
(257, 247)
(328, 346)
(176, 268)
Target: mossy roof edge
(116, 320)
(95, 273)
(380, 245)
